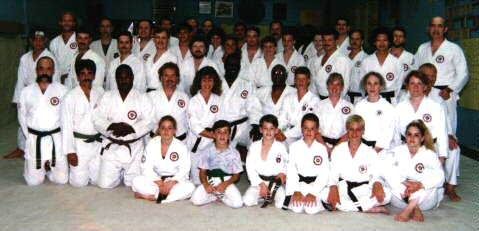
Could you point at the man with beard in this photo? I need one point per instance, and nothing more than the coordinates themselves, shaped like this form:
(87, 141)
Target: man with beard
(26, 76)
(39, 118)
(384, 63)
(332, 61)
(81, 142)
(251, 50)
(239, 104)
(106, 47)
(64, 46)
(83, 38)
(182, 51)
(167, 24)
(123, 116)
(452, 75)
(356, 55)
(240, 33)
(342, 27)
(126, 57)
(143, 45)
(276, 30)
(198, 48)
(406, 59)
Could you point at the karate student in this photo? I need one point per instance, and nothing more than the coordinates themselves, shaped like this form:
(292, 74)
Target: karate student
(266, 166)
(384, 63)
(202, 111)
(106, 47)
(356, 55)
(355, 183)
(292, 58)
(26, 76)
(230, 45)
(182, 51)
(189, 67)
(420, 106)
(333, 113)
(167, 24)
(126, 57)
(451, 166)
(295, 106)
(81, 142)
(260, 69)
(276, 31)
(64, 46)
(123, 116)
(378, 114)
(415, 174)
(170, 100)
(39, 118)
(308, 170)
(220, 167)
(314, 49)
(251, 50)
(165, 167)
(239, 104)
(449, 59)
(406, 59)
(239, 30)
(161, 56)
(143, 44)
(333, 61)
(343, 41)
(83, 38)
(216, 50)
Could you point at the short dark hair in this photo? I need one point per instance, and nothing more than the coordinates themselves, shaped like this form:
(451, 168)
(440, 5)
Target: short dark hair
(303, 70)
(360, 32)
(400, 28)
(167, 118)
(84, 30)
(310, 117)
(221, 124)
(159, 30)
(185, 26)
(84, 64)
(240, 23)
(330, 31)
(364, 81)
(169, 65)
(380, 31)
(230, 37)
(216, 31)
(199, 38)
(146, 20)
(275, 22)
(333, 77)
(342, 19)
(268, 39)
(269, 118)
(289, 31)
(206, 71)
(124, 68)
(125, 33)
(424, 79)
(253, 28)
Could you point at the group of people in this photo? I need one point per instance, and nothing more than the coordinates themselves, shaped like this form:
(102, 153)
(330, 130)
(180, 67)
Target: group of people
(322, 127)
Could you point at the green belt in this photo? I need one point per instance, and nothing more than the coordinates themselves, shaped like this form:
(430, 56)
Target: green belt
(217, 173)
(88, 138)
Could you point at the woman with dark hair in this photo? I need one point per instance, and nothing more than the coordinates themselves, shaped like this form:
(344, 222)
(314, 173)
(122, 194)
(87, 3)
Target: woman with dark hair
(165, 167)
(415, 174)
(202, 113)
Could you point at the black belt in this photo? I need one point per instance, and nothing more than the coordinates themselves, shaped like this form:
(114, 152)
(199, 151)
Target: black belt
(150, 89)
(161, 196)
(351, 195)
(180, 137)
(441, 87)
(369, 143)
(40, 135)
(273, 185)
(331, 140)
(198, 141)
(217, 173)
(321, 97)
(403, 139)
(305, 179)
(125, 143)
(388, 95)
(234, 125)
(353, 94)
(88, 138)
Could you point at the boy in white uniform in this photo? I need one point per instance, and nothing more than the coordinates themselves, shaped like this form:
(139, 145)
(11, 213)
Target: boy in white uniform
(292, 58)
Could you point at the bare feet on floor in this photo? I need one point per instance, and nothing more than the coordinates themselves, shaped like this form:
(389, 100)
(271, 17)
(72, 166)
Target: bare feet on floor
(379, 209)
(417, 215)
(141, 196)
(17, 153)
(402, 217)
(451, 193)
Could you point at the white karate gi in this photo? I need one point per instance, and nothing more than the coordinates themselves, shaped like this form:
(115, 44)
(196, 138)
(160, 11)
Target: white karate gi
(344, 46)
(118, 161)
(245, 62)
(152, 67)
(356, 77)
(72, 79)
(40, 112)
(64, 52)
(175, 166)
(77, 112)
(188, 72)
(138, 68)
(338, 63)
(148, 50)
(215, 54)
(275, 163)
(364, 167)
(177, 51)
(111, 53)
(308, 161)
(296, 60)
(260, 73)
(332, 120)
(267, 104)
(406, 59)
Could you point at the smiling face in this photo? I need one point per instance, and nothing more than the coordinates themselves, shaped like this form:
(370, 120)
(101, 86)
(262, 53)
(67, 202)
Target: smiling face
(169, 79)
(335, 88)
(342, 27)
(67, 22)
(252, 38)
(124, 45)
(207, 83)
(355, 132)
(144, 30)
(222, 136)
(268, 130)
(414, 138)
(329, 43)
(161, 40)
(437, 28)
(198, 50)
(83, 41)
(269, 49)
(373, 86)
(382, 42)
(309, 129)
(301, 81)
(318, 42)
(416, 87)
(86, 77)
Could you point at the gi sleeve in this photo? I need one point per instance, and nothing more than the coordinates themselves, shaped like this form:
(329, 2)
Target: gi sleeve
(67, 117)
(462, 75)
(22, 74)
(100, 73)
(253, 175)
(146, 122)
(292, 178)
(322, 179)
(100, 114)
(22, 111)
(334, 167)
(433, 176)
(185, 165)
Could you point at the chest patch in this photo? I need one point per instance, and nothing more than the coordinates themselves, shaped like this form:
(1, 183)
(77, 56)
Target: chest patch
(214, 108)
(363, 169)
(145, 56)
(440, 59)
(293, 69)
(317, 160)
(73, 45)
(419, 167)
(174, 156)
(346, 110)
(132, 115)
(390, 76)
(181, 103)
(405, 67)
(427, 118)
(328, 68)
(54, 101)
(244, 94)
(278, 159)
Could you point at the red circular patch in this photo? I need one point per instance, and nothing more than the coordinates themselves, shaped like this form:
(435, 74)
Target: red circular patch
(174, 156)
(244, 94)
(278, 159)
(405, 67)
(419, 167)
(145, 56)
(363, 169)
(73, 45)
(328, 68)
(390, 76)
(54, 101)
(293, 69)
(427, 118)
(214, 108)
(346, 110)
(132, 115)
(440, 59)
(317, 160)
(181, 103)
